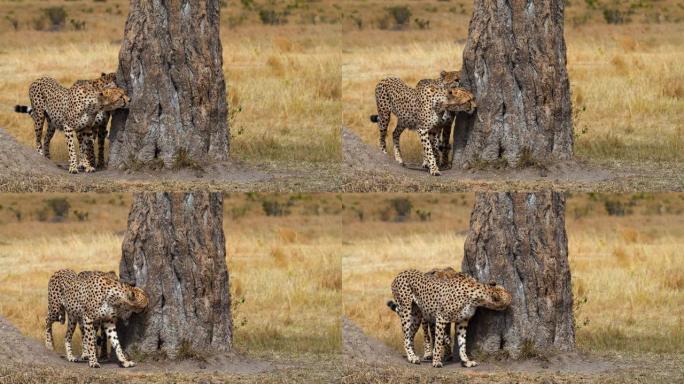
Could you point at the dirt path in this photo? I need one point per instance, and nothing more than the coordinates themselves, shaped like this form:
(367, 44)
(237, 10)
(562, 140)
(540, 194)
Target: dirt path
(22, 169)
(365, 168)
(16, 348)
(368, 359)
(24, 360)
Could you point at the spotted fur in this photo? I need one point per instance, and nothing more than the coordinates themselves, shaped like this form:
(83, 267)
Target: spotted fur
(90, 298)
(442, 300)
(73, 110)
(421, 109)
(429, 327)
(450, 79)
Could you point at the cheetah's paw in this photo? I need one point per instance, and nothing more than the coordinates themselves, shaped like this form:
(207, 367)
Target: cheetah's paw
(437, 364)
(128, 364)
(469, 364)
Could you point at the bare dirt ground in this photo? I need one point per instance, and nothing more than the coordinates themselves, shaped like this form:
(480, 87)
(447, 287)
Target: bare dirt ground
(366, 359)
(366, 169)
(22, 169)
(23, 360)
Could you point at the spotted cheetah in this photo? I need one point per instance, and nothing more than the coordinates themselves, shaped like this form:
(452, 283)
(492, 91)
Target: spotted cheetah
(443, 301)
(90, 298)
(73, 110)
(101, 338)
(419, 109)
(429, 327)
(106, 80)
(450, 79)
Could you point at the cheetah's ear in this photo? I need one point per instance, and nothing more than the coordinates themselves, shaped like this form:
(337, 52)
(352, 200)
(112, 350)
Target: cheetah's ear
(103, 74)
(492, 283)
(443, 74)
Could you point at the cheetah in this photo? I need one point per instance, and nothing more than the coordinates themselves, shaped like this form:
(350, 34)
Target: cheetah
(101, 338)
(90, 298)
(73, 110)
(419, 109)
(451, 79)
(106, 80)
(443, 301)
(429, 327)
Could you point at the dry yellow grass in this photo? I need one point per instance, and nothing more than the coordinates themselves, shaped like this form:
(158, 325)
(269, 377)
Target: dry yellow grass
(283, 81)
(284, 271)
(629, 269)
(625, 79)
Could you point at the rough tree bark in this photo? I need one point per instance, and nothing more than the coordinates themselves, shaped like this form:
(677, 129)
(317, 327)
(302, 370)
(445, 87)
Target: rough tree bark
(170, 63)
(174, 249)
(519, 241)
(514, 62)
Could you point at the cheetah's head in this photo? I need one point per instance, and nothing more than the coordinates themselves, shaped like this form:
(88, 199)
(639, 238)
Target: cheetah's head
(106, 80)
(113, 98)
(444, 273)
(496, 297)
(135, 299)
(450, 79)
(460, 99)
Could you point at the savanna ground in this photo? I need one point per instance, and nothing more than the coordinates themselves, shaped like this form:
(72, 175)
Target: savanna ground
(626, 81)
(283, 85)
(627, 275)
(283, 261)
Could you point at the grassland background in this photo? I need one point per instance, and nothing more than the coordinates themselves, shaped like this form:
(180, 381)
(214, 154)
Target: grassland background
(285, 275)
(283, 81)
(291, 86)
(627, 271)
(626, 79)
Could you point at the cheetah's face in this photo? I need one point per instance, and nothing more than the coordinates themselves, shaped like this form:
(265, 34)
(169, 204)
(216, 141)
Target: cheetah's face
(445, 273)
(113, 98)
(108, 80)
(138, 300)
(497, 298)
(450, 79)
(459, 99)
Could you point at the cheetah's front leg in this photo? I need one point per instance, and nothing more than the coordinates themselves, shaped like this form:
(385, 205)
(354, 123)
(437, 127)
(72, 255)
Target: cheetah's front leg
(89, 343)
(427, 339)
(439, 344)
(101, 135)
(85, 140)
(461, 339)
(110, 329)
(428, 154)
(73, 157)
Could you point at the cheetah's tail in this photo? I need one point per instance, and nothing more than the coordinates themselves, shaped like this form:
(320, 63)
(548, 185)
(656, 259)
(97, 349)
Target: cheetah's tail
(22, 109)
(393, 306)
(374, 118)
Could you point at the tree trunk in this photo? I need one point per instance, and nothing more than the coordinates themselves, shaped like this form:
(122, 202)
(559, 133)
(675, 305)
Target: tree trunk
(174, 249)
(514, 62)
(519, 241)
(170, 63)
